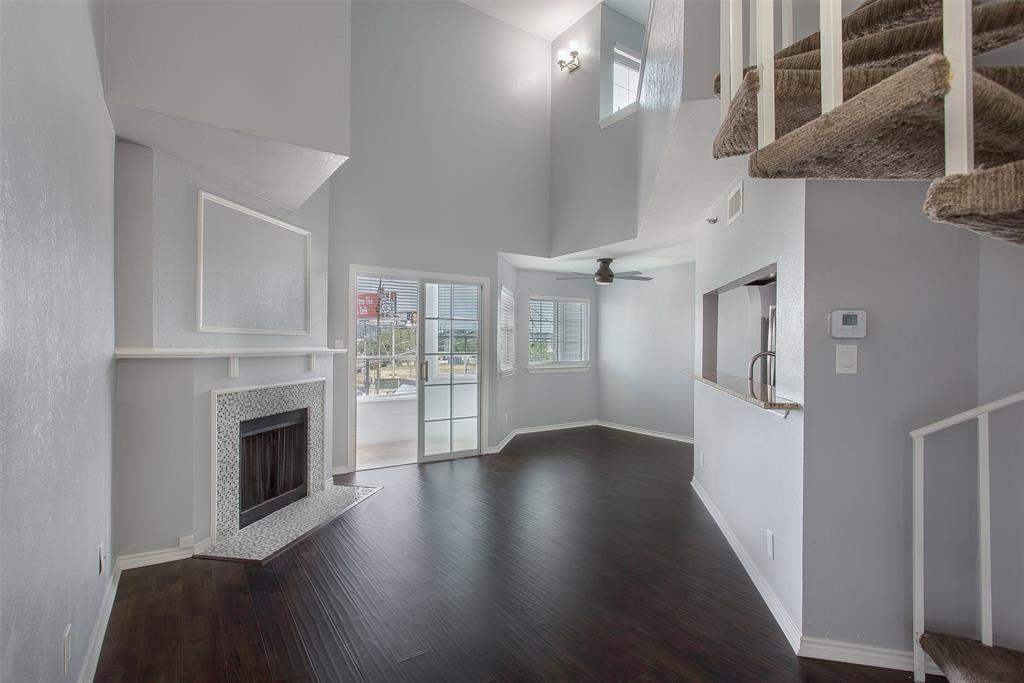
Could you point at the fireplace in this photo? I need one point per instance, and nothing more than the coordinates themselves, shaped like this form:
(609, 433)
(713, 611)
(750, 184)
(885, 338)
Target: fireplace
(272, 464)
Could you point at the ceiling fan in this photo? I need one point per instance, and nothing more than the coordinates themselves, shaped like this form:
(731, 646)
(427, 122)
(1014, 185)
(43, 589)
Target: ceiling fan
(604, 275)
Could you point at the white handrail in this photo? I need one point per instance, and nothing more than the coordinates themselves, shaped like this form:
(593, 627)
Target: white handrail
(980, 414)
(967, 415)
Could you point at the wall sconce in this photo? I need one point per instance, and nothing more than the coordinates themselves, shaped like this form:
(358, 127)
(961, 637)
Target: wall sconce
(569, 59)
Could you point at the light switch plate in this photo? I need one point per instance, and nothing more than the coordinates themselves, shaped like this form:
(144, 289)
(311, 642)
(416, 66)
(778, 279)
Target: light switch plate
(846, 359)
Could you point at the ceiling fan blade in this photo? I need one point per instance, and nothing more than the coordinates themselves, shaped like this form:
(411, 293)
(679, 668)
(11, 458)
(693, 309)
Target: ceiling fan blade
(628, 273)
(638, 278)
(577, 276)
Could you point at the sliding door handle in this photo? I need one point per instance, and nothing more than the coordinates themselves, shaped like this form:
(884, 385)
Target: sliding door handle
(423, 371)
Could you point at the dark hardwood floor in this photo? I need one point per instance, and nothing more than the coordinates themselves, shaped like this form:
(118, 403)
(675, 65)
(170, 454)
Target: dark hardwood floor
(580, 555)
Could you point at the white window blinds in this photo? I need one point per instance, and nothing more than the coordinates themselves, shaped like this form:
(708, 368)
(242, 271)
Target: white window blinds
(506, 331)
(559, 332)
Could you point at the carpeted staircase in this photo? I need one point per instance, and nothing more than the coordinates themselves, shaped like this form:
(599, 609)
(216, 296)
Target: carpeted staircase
(891, 124)
(964, 660)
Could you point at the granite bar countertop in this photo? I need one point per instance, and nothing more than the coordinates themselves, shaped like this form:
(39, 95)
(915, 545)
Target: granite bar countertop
(761, 395)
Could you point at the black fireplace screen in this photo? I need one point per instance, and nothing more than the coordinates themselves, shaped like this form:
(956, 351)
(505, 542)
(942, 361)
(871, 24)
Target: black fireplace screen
(272, 464)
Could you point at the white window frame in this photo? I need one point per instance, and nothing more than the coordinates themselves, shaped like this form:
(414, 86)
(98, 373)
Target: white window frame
(563, 366)
(623, 55)
(506, 332)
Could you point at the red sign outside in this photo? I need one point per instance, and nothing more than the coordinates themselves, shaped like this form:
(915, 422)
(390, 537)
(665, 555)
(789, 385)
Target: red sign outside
(366, 306)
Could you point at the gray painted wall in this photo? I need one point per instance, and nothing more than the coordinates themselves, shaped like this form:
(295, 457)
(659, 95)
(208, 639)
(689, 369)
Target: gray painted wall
(646, 333)
(257, 71)
(554, 397)
(1001, 373)
(162, 433)
(133, 206)
(158, 202)
(753, 459)
(593, 169)
(870, 247)
(450, 158)
(162, 460)
(57, 310)
(661, 92)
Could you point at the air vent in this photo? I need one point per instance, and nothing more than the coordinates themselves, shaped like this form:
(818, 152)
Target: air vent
(735, 203)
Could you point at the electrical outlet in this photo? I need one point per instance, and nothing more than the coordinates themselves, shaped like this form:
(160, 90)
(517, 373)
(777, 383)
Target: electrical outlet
(186, 541)
(103, 558)
(770, 543)
(702, 459)
(67, 649)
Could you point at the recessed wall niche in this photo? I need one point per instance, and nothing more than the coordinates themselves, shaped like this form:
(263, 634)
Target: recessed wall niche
(253, 271)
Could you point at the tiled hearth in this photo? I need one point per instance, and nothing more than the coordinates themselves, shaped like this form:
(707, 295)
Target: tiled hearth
(324, 501)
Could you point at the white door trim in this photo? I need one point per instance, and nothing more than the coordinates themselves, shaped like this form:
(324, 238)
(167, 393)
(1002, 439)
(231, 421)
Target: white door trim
(355, 269)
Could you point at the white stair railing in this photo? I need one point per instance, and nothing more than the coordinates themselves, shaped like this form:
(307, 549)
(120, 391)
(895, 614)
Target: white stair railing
(762, 42)
(980, 414)
(957, 47)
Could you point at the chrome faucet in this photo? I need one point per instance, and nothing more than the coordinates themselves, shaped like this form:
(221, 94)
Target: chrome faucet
(753, 362)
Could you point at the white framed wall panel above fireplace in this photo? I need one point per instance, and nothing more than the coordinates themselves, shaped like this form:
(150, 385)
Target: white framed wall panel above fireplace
(252, 271)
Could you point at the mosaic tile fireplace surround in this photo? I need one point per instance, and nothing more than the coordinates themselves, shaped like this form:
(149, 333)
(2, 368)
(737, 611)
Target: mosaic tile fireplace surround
(231, 407)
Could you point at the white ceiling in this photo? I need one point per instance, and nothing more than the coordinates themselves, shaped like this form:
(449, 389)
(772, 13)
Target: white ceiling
(547, 19)
(637, 10)
(655, 249)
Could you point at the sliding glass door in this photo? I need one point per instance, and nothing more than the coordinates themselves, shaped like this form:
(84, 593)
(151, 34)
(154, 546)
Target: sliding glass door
(416, 380)
(449, 369)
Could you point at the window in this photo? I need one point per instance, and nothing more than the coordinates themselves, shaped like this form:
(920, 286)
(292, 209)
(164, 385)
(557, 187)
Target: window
(506, 332)
(559, 334)
(625, 78)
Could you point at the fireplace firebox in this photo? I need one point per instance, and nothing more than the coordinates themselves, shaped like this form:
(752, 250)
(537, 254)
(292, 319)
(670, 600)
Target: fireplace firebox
(272, 464)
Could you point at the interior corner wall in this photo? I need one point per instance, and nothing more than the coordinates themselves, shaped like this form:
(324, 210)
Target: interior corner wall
(753, 469)
(646, 333)
(133, 227)
(553, 398)
(1000, 374)
(869, 246)
(450, 156)
(505, 413)
(593, 169)
(57, 314)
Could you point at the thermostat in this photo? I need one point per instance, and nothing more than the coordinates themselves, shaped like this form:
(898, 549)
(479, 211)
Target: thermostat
(846, 324)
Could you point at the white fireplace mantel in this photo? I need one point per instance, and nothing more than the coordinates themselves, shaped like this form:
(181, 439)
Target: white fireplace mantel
(232, 355)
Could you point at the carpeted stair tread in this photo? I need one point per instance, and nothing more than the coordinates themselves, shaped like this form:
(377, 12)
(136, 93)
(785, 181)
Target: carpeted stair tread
(989, 201)
(798, 101)
(996, 24)
(872, 17)
(894, 130)
(964, 660)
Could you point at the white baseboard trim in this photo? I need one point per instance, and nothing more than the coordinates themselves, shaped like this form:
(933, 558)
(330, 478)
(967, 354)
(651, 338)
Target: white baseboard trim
(341, 469)
(865, 655)
(789, 627)
(646, 432)
(160, 556)
(99, 629)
